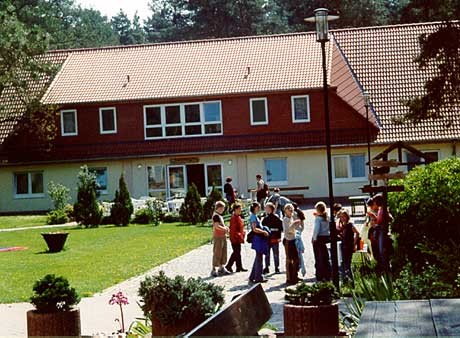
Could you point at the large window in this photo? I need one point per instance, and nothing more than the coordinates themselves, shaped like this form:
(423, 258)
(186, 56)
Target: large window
(259, 111)
(431, 156)
(213, 177)
(183, 119)
(300, 106)
(108, 120)
(69, 125)
(28, 184)
(349, 167)
(101, 179)
(276, 171)
(157, 181)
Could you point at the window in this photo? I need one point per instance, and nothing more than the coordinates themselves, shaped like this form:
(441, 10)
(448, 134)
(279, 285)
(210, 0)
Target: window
(157, 181)
(183, 119)
(431, 156)
(300, 106)
(276, 171)
(69, 126)
(28, 184)
(213, 177)
(259, 111)
(349, 167)
(108, 120)
(101, 179)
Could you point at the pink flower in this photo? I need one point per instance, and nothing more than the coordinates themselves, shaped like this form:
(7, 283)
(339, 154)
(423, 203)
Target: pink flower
(119, 299)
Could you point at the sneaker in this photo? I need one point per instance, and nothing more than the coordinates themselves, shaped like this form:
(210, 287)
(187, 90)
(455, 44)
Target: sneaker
(224, 271)
(229, 269)
(214, 273)
(277, 271)
(266, 270)
(242, 270)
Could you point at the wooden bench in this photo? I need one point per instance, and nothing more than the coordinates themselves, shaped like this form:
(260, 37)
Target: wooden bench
(244, 316)
(356, 201)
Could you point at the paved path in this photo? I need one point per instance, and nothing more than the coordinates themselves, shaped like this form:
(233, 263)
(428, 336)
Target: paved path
(98, 316)
(71, 224)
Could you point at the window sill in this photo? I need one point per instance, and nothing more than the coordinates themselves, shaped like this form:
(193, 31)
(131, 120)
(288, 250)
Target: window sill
(28, 196)
(301, 121)
(350, 180)
(108, 132)
(70, 134)
(259, 123)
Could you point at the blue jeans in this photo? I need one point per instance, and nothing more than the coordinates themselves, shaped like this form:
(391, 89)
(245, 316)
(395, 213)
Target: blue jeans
(256, 272)
(276, 255)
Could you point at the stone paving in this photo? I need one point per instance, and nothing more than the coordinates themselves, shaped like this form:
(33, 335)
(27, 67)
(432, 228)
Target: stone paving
(97, 316)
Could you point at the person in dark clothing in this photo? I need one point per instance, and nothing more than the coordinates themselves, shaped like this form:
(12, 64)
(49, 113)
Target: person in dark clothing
(349, 235)
(229, 191)
(274, 223)
(236, 239)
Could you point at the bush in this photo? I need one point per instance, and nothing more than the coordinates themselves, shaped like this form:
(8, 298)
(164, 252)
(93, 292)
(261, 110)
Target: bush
(122, 208)
(59, 194)
(151, 214)
(191, 210)
(68, 209)
(426, 218)
(321, 293)
(174, 299)
(143, 216)
(53, 294)
(171, 217)
(58, 216)
(87, 210)
(208, 208)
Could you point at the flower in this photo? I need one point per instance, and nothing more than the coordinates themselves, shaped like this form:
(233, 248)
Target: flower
(118, 298)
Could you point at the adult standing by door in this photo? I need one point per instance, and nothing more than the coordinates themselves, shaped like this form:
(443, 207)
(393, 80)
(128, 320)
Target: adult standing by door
(229, 191)
(261, 190)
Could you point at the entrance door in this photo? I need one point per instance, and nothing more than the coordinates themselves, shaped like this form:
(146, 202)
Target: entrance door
(177, 181)
(195, 174)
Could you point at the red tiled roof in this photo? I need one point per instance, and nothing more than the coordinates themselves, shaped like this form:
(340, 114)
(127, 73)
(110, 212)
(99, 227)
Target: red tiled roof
(382, 60)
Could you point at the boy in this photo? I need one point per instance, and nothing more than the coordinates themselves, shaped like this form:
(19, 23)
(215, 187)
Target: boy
(274, 223)
(219, 231)
(236, 239)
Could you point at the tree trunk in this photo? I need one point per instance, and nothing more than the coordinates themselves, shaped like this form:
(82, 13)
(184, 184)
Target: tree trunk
(66, 323)
(311, 320)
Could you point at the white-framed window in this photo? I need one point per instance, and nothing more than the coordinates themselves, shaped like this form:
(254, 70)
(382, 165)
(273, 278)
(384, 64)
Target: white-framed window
(69, 124)
(28, 184)
(349, 168)
(300, 106)
(431, 156)
(214, 177)
(183, 120)
(108, 120)
(259, 111)
(157, 181)
(276, 171)
(101, 179)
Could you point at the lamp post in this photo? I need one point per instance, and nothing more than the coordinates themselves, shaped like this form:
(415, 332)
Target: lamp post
(368, 132)
(321, 19)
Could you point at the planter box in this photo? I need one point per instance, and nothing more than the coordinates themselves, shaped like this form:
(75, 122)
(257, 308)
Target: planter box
(311, 320)
(55, 240)
(66, 323)
(174, 329)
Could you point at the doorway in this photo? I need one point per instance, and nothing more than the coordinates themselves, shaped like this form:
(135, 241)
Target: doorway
(195, 174)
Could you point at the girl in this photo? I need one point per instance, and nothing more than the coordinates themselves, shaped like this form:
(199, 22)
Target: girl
(349, 237)
(290, 225)
(236, 239)
(259, 244)
(320, 238)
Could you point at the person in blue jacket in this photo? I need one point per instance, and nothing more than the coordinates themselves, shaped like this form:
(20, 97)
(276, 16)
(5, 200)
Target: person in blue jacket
(260, 244)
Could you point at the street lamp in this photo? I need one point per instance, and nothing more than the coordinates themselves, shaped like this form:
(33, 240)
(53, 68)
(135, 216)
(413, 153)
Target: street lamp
(366, 104)
(321, 19)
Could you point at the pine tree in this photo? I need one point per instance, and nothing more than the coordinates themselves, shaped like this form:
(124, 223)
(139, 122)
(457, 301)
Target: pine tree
(86, 209)
(214, 196)
(122, 208)
(191, 210)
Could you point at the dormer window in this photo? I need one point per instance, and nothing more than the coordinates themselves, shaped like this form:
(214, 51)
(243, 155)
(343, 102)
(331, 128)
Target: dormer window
(259, 111)
(69, 125)
(108, 120)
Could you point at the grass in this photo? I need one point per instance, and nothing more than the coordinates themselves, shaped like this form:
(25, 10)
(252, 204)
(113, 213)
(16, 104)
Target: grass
(7, 222)
(93, 259)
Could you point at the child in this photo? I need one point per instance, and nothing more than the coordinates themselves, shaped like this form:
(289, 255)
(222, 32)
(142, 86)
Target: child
(371, 218)
(319, 239)
(236, 239)
(349, 236)
(274, 223)
(219, 257)
(290, 225)
(259, 244)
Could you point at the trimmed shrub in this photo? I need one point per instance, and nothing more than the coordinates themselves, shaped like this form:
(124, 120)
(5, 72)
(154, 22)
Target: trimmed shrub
(59, 194)
(122, 208)
(87, 210)
(53, 294)
(208, 208)
(171, 217)
(191, 210)
(69, 212)
(58, 216)
(143, 216)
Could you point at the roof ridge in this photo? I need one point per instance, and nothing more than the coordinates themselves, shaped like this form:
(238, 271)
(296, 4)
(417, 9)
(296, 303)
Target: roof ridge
(184, 42)
(432, 23)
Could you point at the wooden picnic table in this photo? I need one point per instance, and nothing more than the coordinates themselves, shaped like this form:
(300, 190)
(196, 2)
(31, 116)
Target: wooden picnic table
(410, 318)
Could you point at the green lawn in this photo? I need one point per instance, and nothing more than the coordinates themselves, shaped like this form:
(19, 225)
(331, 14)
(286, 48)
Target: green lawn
(7, 222)
(93, 259)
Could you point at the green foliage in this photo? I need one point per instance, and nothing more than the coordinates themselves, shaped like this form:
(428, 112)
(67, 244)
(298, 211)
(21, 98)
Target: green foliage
(68, 208)
(86, 209)
(175, 299)
(321, 293)
(140, 328)
(208, 207)
(59, 194)
(122, 208)
(151, 214)
(191, 210)
(354, 309)
(171, 217)
(128, 33)
(53, 294)
(58, 216)
(426, 219)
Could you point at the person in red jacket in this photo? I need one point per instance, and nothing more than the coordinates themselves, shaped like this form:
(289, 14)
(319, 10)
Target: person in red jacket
(236, 238)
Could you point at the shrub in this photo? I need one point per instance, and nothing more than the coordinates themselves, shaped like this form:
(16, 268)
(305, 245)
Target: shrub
(171, 217)
(151, 214)
(58, 216)
(122, 208)
(426, 217)
(321, 293)
(68, 209)
(208, 208)
(87, 210)
(53, 294)
(59, 194)
(191, 210)
(143, 216)
(174, 299)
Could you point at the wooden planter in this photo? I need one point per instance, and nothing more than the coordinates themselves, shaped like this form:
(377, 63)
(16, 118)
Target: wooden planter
(66, 323)
(174, 329)
(55, 240)
(311, 320)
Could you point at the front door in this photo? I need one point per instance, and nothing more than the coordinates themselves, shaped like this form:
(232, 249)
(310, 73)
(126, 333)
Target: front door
(195, 174)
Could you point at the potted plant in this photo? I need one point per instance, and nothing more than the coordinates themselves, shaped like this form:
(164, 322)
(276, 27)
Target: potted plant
(54, 313)
(176, 305)
(55, 240)
(311, 310)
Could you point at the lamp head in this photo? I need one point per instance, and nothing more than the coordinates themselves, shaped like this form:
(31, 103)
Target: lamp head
(321, 19)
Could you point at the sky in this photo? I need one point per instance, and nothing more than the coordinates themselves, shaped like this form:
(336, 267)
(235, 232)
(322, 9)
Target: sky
(112, 7)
